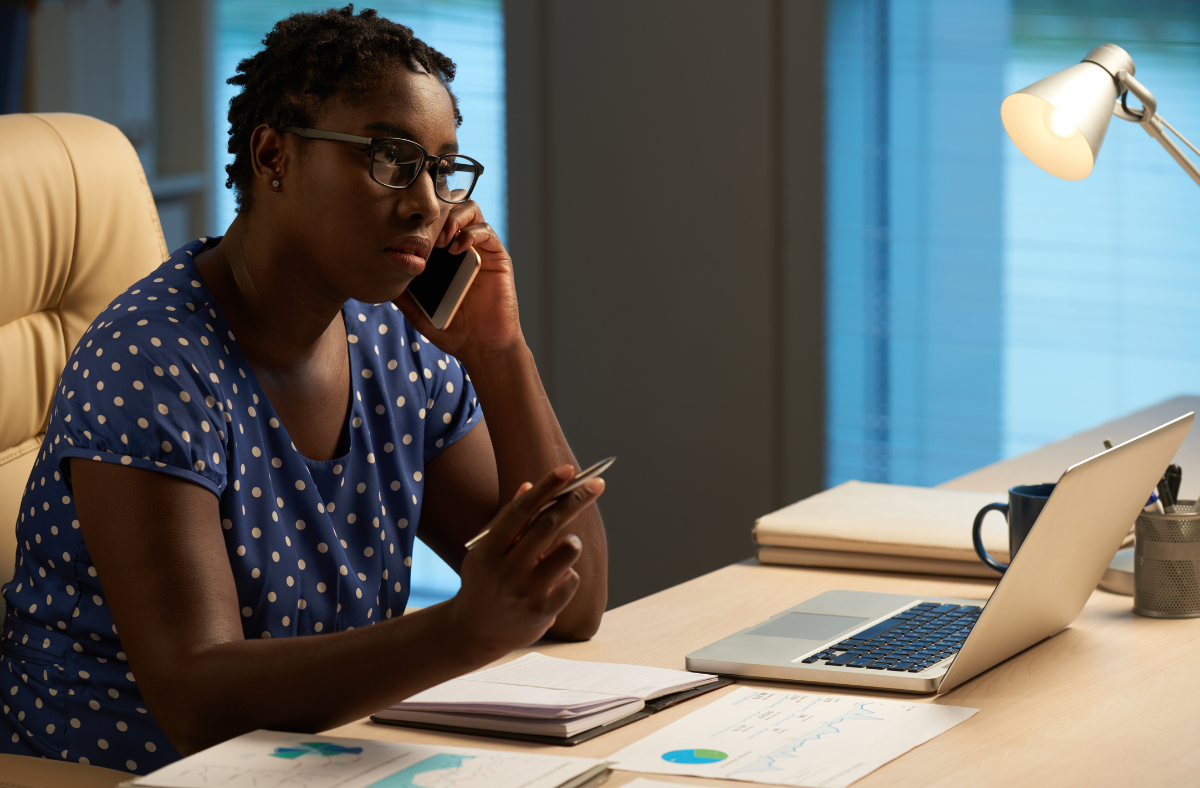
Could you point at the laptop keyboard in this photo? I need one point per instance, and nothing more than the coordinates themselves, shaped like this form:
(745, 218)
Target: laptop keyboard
(911, 641)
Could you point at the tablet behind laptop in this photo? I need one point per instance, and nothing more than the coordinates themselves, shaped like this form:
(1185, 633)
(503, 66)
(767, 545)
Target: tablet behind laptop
(931, 644)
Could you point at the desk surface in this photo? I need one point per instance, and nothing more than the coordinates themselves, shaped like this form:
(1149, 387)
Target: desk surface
(1108, 701)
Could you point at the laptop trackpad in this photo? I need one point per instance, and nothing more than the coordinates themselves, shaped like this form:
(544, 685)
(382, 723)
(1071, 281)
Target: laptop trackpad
(806, 626)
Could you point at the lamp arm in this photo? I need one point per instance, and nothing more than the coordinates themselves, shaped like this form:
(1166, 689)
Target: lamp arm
(1149, 120)
(1130, 85)
(1154, 129)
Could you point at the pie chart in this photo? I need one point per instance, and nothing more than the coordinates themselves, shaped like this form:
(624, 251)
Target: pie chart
(694, 756)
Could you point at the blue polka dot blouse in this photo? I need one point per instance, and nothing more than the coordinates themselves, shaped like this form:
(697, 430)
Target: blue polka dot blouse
(158, 382)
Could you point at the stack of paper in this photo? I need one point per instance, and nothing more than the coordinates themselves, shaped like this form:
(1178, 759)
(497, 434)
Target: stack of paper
(885, 527)
(542, 695)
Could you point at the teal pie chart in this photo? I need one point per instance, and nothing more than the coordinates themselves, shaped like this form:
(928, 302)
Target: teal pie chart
(694, 756)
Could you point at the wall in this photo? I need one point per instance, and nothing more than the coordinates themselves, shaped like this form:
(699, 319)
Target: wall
(665, 214)
(144, 66)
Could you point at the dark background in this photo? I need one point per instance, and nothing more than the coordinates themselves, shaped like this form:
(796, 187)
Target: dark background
(666, 180)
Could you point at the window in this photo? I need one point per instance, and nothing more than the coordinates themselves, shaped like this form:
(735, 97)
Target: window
(979, 307)
(471, 33)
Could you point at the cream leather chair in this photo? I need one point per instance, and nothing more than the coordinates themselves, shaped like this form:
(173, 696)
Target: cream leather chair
(77, 227)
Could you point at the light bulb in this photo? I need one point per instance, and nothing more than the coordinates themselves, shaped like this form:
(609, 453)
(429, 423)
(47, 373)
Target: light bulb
(1059, 124)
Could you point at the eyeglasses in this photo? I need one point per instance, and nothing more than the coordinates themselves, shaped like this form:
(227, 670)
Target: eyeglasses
(397, 163)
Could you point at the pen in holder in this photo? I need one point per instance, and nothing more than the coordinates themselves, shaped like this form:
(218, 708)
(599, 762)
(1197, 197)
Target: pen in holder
(1166, 574)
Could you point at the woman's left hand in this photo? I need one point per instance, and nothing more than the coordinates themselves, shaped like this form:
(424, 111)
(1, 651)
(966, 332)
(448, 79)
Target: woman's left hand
(487, 322)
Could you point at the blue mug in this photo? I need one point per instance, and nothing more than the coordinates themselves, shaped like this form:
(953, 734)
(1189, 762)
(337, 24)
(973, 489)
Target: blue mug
(1025, 503)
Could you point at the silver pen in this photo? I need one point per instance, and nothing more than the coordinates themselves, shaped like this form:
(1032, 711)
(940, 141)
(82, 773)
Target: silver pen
(580, 478)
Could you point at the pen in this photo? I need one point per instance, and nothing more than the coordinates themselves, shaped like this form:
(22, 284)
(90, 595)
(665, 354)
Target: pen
(1174, 479)
(1164, 494)
(581, 477)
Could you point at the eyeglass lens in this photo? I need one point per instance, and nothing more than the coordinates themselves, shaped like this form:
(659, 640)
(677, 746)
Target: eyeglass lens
(397, 164)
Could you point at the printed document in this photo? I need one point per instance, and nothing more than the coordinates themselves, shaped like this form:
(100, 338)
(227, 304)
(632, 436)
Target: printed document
(789, 738)
(267, 759)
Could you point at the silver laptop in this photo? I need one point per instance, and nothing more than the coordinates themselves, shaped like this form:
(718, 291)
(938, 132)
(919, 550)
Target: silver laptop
(931, 644)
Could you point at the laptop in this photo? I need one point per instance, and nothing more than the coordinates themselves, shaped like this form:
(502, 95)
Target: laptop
(932, 644)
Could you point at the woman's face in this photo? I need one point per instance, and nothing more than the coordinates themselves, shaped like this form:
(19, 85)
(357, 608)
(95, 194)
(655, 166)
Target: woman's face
(364, 240)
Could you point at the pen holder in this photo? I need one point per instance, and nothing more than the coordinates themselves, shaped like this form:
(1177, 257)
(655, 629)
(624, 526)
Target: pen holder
(1166, 573)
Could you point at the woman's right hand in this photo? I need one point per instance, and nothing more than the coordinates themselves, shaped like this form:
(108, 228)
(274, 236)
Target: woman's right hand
(519, 577)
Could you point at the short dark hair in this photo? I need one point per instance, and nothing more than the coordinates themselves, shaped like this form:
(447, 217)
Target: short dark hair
(306, 59)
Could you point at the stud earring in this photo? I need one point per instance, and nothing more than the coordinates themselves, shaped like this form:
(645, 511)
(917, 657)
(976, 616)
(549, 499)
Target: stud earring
(275, 184)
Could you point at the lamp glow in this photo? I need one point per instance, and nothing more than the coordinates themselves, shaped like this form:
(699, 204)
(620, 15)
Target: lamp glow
(1059, 122)
(1047, 135)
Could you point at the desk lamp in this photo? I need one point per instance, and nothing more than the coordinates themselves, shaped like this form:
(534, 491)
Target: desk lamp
(1059, 122)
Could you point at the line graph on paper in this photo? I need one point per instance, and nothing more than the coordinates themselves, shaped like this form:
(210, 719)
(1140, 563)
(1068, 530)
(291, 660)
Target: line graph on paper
(482, 770)
(789, 738)
(827, 739)
(266, 759)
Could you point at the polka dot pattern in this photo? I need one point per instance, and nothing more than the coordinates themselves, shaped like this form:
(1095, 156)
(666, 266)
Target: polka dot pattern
(315, 547)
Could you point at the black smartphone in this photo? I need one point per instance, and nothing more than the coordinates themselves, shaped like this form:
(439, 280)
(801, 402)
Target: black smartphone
(439, 289)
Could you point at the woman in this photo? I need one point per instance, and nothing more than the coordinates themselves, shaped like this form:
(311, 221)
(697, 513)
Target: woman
(218, 531)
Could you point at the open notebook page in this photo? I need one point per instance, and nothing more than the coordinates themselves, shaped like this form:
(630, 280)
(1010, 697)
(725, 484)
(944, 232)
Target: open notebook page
(460, 695)
(635, 681)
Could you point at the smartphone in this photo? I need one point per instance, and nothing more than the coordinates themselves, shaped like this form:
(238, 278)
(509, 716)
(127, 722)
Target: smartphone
(439, 289)
(580, 478)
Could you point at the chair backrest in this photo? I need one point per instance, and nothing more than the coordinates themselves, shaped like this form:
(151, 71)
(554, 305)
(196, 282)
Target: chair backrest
(77, 227)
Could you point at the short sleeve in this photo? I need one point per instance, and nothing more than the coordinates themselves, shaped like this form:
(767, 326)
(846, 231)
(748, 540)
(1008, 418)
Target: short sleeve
(451, 407)
(141, 396)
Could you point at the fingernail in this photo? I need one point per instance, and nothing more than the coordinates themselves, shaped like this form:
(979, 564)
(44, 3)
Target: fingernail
(595, 486)
(575, 540)
(564, 472)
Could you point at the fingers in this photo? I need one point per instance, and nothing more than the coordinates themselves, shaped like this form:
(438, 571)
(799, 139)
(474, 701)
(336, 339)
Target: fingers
(465, 228)
(557, 561)
(512, 519)
(560, 595)
(480, 236)
(461, 215)
(547, 526)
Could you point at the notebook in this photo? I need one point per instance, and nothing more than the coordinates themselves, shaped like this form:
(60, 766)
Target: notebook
(885, 527)
(874, 562)
(542, 698)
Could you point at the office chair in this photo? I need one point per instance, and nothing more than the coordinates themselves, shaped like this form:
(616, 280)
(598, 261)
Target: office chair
(77, 227)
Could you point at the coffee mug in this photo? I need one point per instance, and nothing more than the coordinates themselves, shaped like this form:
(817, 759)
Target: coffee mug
(1025, 503)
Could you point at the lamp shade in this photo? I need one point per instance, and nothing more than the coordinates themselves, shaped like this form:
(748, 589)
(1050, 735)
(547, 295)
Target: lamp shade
(1059, 122)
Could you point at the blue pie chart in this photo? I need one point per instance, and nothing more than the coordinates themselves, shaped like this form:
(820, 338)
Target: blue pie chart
(694, 756)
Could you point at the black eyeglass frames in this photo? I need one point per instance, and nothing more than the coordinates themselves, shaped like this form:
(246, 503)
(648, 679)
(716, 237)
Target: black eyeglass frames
(397, 163)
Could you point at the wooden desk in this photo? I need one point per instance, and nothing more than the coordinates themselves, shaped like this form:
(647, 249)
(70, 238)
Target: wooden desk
(1111, 700)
